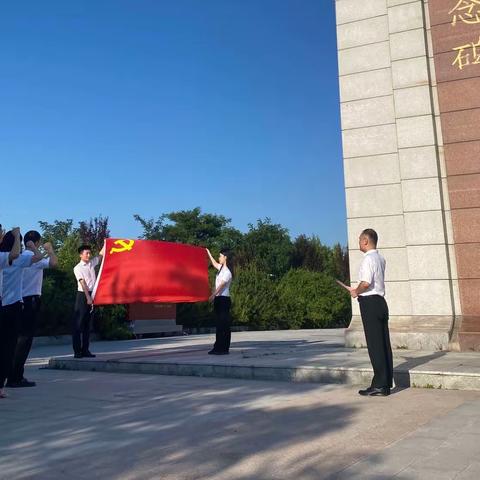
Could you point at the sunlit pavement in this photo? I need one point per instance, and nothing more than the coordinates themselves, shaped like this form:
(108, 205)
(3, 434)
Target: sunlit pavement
(85, 425)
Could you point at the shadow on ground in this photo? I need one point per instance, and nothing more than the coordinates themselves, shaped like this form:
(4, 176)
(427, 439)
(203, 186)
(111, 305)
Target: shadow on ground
(108, 426)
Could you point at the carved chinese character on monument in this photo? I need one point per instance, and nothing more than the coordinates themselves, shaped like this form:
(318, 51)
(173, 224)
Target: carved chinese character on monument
(466, 11)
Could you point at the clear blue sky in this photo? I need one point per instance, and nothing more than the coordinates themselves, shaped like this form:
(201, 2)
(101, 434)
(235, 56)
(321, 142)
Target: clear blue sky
(118, 107)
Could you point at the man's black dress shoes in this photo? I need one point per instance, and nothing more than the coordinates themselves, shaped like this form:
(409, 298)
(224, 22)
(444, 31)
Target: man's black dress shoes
(216, 352)
(22, 383)
(375, 392)
(88, 355)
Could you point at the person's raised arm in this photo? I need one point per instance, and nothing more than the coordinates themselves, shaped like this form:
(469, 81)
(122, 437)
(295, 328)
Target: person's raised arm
(52, 257)
(215, 264)
(37, 254)
(17, 246)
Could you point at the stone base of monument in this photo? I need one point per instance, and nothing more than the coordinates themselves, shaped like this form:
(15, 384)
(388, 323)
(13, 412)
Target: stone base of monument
(431, 333)
(466, 336)
(143, 327)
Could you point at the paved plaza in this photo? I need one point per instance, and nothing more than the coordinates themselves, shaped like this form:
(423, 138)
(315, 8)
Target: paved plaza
(84, 425)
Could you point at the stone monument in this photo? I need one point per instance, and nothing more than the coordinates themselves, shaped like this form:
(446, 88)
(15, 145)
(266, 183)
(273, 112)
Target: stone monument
(409, 74)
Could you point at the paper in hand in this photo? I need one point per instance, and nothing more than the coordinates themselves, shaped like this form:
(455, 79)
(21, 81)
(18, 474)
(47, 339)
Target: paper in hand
(343, 285)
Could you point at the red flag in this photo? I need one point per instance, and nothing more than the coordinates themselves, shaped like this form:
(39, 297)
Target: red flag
(149, 271)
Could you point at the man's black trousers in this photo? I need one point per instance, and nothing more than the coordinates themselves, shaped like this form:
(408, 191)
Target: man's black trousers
(82, 319)
(374, 311)
(10, 319)
(31, 309)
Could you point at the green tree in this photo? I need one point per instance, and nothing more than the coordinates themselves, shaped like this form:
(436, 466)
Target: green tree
(310, 253)
(268, 245)
(94, 232)
(58, 232)
(192, 227)
(337, 265)
(59, 285)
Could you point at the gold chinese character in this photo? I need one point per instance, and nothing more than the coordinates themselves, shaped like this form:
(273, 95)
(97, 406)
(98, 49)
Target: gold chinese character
(468, 54)
(467, 11)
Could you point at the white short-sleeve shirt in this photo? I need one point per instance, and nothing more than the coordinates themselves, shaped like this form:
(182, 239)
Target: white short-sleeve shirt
(224, 276)
(372, 271)
(86, 270)
(4, 263)
(12, 279)
(33, 276)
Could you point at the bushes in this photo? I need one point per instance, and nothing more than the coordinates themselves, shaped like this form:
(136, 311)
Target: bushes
(110, 323)
(300, 299)
(311, 300)
(195, 315)
(58, 297)
(254, 295)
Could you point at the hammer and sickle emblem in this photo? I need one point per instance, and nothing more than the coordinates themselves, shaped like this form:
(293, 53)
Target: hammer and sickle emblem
(124, 246)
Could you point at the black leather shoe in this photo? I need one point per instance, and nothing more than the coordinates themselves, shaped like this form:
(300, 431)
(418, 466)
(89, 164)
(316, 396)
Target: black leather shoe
(375, 392)
(21, 384)
(221, 353)
(88, 355)
(77, 355)
(366, 391)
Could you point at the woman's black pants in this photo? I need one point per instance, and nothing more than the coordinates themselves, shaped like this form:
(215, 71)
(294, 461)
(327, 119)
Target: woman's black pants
(221, 307)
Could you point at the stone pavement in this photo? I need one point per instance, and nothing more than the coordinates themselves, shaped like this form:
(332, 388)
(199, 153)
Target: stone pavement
(88, 425)
(291, 355)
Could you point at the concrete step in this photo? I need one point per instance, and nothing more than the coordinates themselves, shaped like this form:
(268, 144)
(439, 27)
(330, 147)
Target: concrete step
(404, 377)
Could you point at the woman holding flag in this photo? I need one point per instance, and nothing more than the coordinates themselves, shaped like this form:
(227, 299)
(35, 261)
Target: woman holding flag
(221, 303)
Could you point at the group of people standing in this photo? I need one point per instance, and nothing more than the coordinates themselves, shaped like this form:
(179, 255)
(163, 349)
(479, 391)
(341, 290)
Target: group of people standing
(21, 277)
(21, 280)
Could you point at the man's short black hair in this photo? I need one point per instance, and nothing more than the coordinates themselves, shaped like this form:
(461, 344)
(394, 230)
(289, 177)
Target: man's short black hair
(31, 236)
(372, 235)
(84, 247)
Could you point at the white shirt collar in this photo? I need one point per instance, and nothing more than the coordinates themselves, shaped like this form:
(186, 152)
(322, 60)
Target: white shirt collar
(370, 251)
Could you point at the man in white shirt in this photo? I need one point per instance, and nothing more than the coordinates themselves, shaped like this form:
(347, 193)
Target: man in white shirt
(32, 282)
(370, 292)
(85, 275)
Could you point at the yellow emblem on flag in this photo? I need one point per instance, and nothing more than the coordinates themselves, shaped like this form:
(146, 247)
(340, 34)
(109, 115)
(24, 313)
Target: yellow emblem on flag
(124, 246)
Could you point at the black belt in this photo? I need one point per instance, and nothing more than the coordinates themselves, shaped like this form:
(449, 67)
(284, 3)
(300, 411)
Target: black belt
(369, 296)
